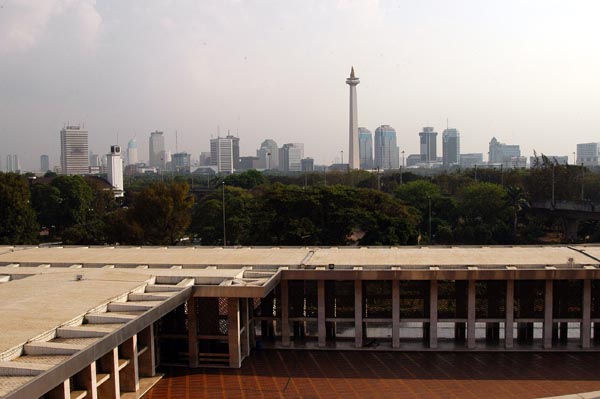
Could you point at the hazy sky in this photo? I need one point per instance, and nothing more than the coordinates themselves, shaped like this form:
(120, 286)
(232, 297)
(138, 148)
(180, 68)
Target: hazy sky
(527, 72)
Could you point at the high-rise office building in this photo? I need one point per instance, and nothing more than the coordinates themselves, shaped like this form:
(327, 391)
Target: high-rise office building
(235, 141)
(365, 145)
(504, 154)
(156, 153)
(387, 153)
(353, 154)
(450, 147)
(44, 163)
(470, 160)
(268, 155)
(12, 163)
(132, 152)
(114, 169)
(181, 162)
(428, 140)
(221, 154)
(74, 151)
(308, 164)
(290, 157)
(588, 154)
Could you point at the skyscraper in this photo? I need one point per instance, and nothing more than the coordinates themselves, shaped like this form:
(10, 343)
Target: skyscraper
(157, 155)
(132, 152)
(387, 153)
(44, 163)
(12, 163)
(428, 145)
(181, 162)
(235, 141)
(588, 154)
(451, 147)
(365, 145)
(290, 157)
(221, 154)
(353, 154)
(114, 172)
(74, 151)
(268, 155)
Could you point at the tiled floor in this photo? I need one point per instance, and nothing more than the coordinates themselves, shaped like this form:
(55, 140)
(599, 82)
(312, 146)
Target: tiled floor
(338, 374)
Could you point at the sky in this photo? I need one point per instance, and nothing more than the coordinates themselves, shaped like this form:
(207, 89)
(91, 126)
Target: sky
(526, 72)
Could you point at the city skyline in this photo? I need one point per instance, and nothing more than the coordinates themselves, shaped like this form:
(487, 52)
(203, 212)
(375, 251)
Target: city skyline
(419, 64)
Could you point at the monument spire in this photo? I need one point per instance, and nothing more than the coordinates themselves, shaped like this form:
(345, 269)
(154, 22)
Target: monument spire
(353, 154)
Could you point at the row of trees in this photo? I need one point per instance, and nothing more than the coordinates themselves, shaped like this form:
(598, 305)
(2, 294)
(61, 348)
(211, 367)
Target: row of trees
(469, 207)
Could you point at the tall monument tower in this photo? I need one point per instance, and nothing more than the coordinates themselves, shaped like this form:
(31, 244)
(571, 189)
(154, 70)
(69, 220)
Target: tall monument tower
(353, 154)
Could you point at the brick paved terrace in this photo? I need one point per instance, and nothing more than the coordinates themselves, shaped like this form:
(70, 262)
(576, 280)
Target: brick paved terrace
(352, 374)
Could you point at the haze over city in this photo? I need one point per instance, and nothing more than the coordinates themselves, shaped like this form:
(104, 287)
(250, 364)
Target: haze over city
(523, 72)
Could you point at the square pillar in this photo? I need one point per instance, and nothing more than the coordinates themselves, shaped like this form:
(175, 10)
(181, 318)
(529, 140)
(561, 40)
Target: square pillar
(62, 391)
(548, 314)
(395, 314)
(322, 328)
(433, 313)
(358, 319)
(146, 361)
(129, 377)
(246, 333)
(510, 314)
(233, 318)
(471, 314)
(86, 379)
(109, 364)
(192, 325)
(586, 322)
(285, 311)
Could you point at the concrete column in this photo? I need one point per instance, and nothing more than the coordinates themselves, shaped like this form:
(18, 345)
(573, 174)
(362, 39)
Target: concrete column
(395, 314)
(471, 314)
(63, 391)
(146, 361)
(358, 319)
(192, 325)
(233, 317)
(129, 377)
(246, 322)
(433, 313)
(109, 364)
(586, 314)
(86, 379)
(510, 314)
(285, 311)
(322, 327)
(548, 314)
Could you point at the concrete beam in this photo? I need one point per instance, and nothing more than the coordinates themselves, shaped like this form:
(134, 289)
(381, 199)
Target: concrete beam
(548, 293)
(51, 348)
(510, 313)
(395, 314)
(586, 324)
(433, 313)
(471, 314)
(233, 317)
(358, 319)
(129, 376)
(322, 327)
(109, 364)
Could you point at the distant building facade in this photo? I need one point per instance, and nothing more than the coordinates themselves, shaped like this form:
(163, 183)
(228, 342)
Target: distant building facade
(450, 147)
(247, 163)
(235, 142)
(412, 160)
(470, 160)
(290, 157)
(221, 155)
(428, 144)
(74, 151)
(13, 164)
(114, 172)
(308, 164)
(387, 153)
(132, 152)
(181, 162)
(44, 163)
(268, 155)
(588, 154)
(156, 150)
(506, 154)
(365, 147)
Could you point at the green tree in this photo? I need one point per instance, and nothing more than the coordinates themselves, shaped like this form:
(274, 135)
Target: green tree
(162, 212)
(17, 217)
(248, 179)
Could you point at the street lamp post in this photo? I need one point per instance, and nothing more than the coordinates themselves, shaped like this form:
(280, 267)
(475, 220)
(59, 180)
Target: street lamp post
(224, 230)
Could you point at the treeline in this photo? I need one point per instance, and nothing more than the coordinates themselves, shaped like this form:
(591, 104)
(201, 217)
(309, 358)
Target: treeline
(485, 206)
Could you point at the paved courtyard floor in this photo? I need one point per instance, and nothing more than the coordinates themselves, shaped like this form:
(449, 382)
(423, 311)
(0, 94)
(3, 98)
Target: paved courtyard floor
(354, 374)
